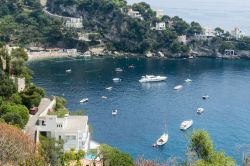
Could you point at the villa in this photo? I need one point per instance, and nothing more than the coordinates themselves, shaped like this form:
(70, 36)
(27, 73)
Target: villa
(134, 14)
(237, 33)
(159, 26)
(74, 23)
(206, 34)
(74, 130)
(182, 39)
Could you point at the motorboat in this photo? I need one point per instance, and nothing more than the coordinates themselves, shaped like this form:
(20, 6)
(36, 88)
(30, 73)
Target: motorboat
(116, 79)
(104, 97)
(205, 97)
(188, 80)
(162, 140)
(109, 88)
(84, 100)
(114, 112)
(191, 57)
(118, 70)
(200, 110)
(186, 124)
(178, 87)
(131, 66)
(152, 78)
(68, 71)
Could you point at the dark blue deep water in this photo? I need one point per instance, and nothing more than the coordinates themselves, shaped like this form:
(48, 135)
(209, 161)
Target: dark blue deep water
(143, 109)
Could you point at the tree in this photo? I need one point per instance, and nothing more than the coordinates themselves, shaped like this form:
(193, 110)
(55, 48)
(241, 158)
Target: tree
(218, 31)
(15, 146)
(14, 114)
(19, 53)
(113, 157)
(51, 150)
(7, 88)
(202, 144)
(195, 28)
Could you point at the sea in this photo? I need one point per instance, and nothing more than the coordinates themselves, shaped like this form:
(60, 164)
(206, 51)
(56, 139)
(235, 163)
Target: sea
(145, 108)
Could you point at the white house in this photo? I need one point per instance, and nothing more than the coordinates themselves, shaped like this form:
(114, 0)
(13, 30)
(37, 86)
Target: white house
(134, 14)
(209, 32)
(237, 33)
(160, 26)
(182, 39)
(74, 130)
(74, 23)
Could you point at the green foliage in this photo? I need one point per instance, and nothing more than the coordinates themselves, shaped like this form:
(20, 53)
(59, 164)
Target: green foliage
(19, 53)
(202, 144)
(51, 150)
(113, 157)
(59, 109)
(73, 155)
(195, 28)
(78, 113)
(32, 96)
(14, 114)
(7, 88)
(16, 98)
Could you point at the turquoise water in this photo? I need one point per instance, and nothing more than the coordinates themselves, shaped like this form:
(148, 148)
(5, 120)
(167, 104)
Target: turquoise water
(210, 13)
(143, 108)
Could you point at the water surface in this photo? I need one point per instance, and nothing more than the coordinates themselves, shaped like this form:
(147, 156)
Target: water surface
(143, 108)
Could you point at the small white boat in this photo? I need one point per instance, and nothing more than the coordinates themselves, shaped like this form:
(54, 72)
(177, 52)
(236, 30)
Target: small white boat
(178, 87)
(84, 100)
(162, 140)
(152, 78)
(104, 97)
(200, 110)
(191, 57)
(116, 79)
(68, 71)
(114, 112)
(109, 88)
(186, 124)
(131, 66)
(205, 97)
(118, 70)
(188, 80)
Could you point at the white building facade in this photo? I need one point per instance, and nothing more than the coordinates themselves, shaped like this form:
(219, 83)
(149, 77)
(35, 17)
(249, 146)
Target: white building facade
(74, 23)
(159, 13)
(237, 33)
(74, 130)
(160, 26)
(134, 14)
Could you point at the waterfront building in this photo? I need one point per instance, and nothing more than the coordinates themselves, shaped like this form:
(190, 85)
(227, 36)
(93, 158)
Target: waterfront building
(182, 39)
(134, 14)
(229, 52)
(237, 33)
(73, 130)
(74, 22)
(206, 34)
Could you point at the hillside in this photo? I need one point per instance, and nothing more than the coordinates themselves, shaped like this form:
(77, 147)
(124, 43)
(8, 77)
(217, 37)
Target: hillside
(110, 24)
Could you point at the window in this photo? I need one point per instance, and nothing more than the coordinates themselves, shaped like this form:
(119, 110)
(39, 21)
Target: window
(59, 125)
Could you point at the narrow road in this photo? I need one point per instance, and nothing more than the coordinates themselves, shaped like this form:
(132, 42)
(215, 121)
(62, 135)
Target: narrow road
(30, 127)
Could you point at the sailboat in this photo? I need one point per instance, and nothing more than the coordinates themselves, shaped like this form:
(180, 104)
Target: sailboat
(163, 138)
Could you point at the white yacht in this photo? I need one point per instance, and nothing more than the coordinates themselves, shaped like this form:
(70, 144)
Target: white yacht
(186, 124)
(178, 87)
(116, 79)
(152, 78)
(109, 88)
(104, 97)
(68, 71)
(188, 80)
(200, 110)
(205, 97)
(114, 112)
(84, 100)
(118, 70)
(162, 140)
